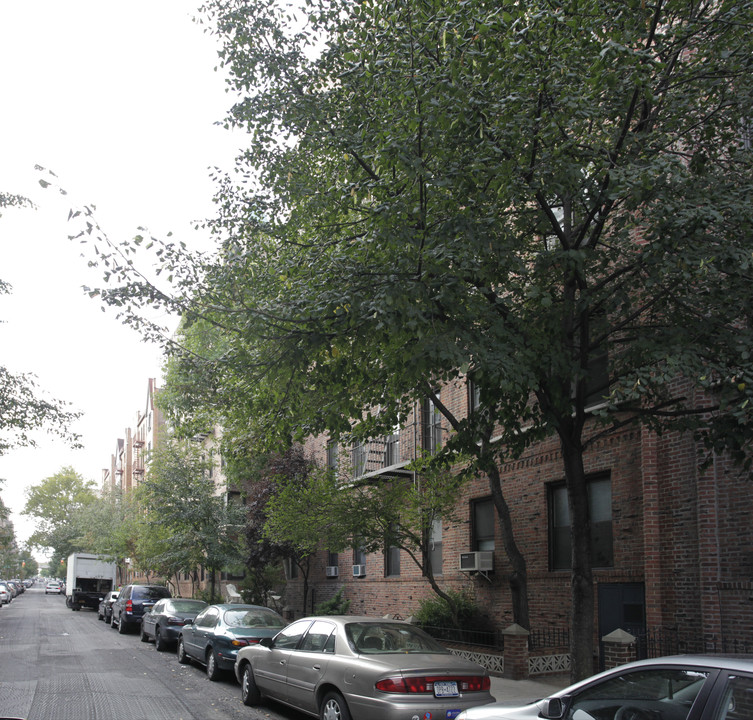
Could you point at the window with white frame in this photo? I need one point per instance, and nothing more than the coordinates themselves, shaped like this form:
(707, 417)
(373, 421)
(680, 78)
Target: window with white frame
(435, 547)
(431, 426)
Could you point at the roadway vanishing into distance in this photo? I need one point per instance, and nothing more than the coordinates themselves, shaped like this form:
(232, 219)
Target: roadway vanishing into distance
(57, 664)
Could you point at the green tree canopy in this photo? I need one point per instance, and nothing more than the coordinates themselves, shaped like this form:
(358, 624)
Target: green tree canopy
(57, 505)
(190, 522)
(321, 511)
(516, 192)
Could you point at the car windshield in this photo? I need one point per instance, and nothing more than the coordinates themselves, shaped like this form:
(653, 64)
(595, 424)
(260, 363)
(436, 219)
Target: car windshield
(185, 606)
(653, 692)
(150, 593)
(256, 618)
(368, 638)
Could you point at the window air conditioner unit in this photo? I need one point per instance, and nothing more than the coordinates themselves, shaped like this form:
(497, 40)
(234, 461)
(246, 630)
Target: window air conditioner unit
(359, 570)
(479, 561)
(331, 571)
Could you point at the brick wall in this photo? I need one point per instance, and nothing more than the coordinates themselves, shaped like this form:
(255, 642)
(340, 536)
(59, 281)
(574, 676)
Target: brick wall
(686, 535)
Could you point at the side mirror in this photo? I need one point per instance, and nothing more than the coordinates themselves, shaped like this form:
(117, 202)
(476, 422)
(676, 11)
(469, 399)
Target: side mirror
(552, 708)
(266, 642)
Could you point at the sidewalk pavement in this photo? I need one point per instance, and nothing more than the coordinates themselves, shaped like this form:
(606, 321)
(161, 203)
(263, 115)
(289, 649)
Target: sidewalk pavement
(521, 692)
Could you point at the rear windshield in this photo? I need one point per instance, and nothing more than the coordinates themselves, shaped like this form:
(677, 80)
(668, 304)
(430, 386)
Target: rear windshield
(257, 618)
(186, 606)
(149, 593)
(386, 637)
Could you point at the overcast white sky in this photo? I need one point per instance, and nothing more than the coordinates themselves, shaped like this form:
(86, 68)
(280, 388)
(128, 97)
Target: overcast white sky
(120, 101)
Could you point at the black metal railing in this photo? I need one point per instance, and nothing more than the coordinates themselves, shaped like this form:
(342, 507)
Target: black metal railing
(658, 642)
(549, 638)
(480, 638)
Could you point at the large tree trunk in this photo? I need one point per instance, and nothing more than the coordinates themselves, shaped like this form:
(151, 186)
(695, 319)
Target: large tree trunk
(582, 588)
(518, 578)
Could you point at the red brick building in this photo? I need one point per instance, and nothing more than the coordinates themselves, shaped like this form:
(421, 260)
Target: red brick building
(672, 545)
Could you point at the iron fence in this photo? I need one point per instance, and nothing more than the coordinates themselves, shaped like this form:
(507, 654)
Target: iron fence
(658, 642)
(549, 638)
(479, 638)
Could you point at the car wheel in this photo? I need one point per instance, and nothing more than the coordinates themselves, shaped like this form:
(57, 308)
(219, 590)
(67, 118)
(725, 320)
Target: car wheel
(333, 707)
(100, 616)
(183, 658)
(249, 690)
(122, 626)
(108, 619)
(144, 636)
(213, 672)
(113, 624)
(159, 642)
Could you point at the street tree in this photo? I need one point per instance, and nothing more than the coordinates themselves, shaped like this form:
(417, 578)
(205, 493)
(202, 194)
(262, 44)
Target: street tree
(111, 524)
(553, 201)
(324, 511)
(192, 523)
(57, 505)
(261, 475)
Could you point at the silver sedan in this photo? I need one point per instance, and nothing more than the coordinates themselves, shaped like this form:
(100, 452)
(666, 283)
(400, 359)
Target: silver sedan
(343, 667)
(669, 688)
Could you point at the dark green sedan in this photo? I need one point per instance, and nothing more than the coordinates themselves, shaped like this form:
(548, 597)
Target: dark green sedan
(219, 632)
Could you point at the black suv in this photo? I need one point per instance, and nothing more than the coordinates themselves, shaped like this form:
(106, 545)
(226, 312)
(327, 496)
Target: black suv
(133, 601)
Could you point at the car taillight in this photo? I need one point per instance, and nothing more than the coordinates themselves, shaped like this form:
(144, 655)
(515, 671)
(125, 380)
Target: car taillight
(426, 684)
(241, 643)
(129, 606)
(475, 684)
(176, 621)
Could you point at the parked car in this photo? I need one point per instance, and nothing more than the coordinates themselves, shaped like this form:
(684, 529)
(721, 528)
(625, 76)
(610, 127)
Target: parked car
(360, 667)
(164, 621)
(669, 688)
(219, 631)
(5, 594)
(53, 587)
(132, 602)
(104, 611)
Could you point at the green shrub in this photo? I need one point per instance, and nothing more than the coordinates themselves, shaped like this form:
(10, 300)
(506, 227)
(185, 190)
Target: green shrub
(205, 594)
(434, 612)
(336, 605)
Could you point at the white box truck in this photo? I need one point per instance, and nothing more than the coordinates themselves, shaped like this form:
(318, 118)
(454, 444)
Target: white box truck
(89, 579)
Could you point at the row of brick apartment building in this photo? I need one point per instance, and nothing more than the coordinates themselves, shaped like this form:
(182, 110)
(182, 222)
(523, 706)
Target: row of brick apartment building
(673, 545)
(128, 466)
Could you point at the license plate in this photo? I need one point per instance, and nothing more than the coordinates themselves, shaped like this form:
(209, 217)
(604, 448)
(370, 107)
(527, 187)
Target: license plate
(445, 689)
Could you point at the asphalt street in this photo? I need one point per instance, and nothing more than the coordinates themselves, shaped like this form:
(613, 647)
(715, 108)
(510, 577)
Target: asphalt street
(56, 664)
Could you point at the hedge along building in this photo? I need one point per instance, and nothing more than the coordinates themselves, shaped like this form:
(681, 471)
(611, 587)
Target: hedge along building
(671, 543)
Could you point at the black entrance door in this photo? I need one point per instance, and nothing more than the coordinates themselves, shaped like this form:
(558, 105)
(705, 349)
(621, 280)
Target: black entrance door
(622, 606)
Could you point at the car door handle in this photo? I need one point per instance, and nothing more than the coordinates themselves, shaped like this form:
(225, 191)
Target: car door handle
(317, 667)
(282, 662)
